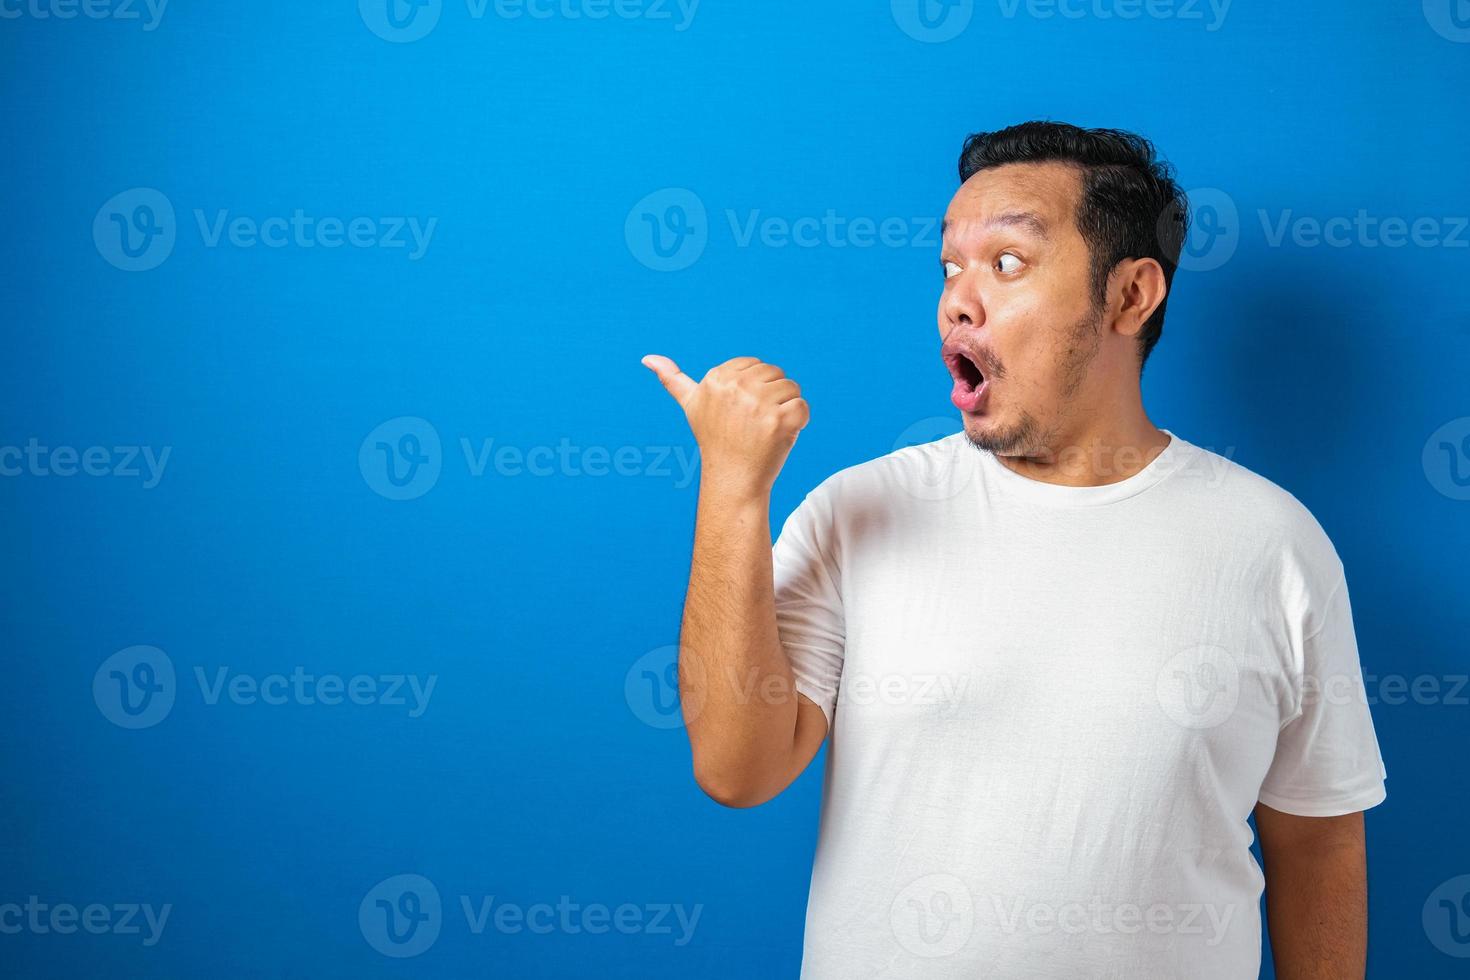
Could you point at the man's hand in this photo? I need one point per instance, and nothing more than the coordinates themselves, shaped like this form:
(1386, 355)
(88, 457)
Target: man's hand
(745, 415)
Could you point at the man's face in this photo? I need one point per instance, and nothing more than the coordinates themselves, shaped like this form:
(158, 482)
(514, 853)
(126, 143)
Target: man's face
(1017, 318)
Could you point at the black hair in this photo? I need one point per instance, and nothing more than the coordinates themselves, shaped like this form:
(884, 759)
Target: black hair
(1131, 205)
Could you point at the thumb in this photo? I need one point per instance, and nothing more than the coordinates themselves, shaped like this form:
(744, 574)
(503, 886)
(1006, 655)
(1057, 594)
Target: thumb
(679, 384)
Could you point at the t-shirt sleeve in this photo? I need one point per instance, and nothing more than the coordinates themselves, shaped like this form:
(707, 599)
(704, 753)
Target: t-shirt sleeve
(1327, 760)
(809, 613)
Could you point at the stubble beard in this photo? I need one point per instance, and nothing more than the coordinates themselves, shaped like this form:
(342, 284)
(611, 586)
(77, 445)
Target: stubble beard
(1027, 436)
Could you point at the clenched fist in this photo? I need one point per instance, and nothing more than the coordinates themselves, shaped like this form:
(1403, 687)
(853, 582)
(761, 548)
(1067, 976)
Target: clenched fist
(745, 415)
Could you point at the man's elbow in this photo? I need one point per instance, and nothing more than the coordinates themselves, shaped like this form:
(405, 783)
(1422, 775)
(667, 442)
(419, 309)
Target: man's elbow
(739, 791)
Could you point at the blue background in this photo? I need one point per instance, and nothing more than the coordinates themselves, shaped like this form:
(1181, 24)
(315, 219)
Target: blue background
(538, 769)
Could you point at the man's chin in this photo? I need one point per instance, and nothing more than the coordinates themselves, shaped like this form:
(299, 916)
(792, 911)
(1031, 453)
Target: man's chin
(995, 436)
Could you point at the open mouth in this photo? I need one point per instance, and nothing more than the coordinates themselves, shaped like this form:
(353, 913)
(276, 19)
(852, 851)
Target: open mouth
(970, 383)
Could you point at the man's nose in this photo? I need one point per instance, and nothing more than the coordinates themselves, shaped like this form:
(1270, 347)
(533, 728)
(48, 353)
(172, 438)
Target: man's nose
(963, 305)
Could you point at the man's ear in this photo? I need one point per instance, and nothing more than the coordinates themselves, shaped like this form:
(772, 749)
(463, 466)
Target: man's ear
(1135, 289)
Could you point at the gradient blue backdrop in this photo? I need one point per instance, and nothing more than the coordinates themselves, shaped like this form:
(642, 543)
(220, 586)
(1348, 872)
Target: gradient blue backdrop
(543, 765)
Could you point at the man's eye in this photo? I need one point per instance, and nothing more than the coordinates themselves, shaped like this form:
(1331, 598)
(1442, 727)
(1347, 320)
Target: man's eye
(1008, 262)
(952, 269)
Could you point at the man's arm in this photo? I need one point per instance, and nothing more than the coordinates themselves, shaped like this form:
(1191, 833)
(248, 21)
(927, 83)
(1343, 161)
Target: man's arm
(750, 732)
(1316, 894)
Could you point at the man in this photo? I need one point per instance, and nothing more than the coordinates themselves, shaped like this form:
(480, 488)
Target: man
(1062, 656)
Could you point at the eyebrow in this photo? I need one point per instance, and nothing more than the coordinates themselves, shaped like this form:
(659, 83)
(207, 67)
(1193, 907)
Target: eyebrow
(1029, 220)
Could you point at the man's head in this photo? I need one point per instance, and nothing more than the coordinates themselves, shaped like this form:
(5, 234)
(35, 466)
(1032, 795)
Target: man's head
(1058, 252)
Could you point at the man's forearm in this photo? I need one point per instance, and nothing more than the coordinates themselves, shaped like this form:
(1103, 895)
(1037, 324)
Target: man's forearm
(734, 679)
(1316, 894)
(749, 733)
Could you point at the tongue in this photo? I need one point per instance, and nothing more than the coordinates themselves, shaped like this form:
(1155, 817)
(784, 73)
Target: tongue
(967, 397)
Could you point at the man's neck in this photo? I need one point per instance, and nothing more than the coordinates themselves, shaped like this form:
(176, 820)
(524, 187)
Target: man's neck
(1095, 455)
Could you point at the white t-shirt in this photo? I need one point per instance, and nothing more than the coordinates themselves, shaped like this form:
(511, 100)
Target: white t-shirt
(1052, 710)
